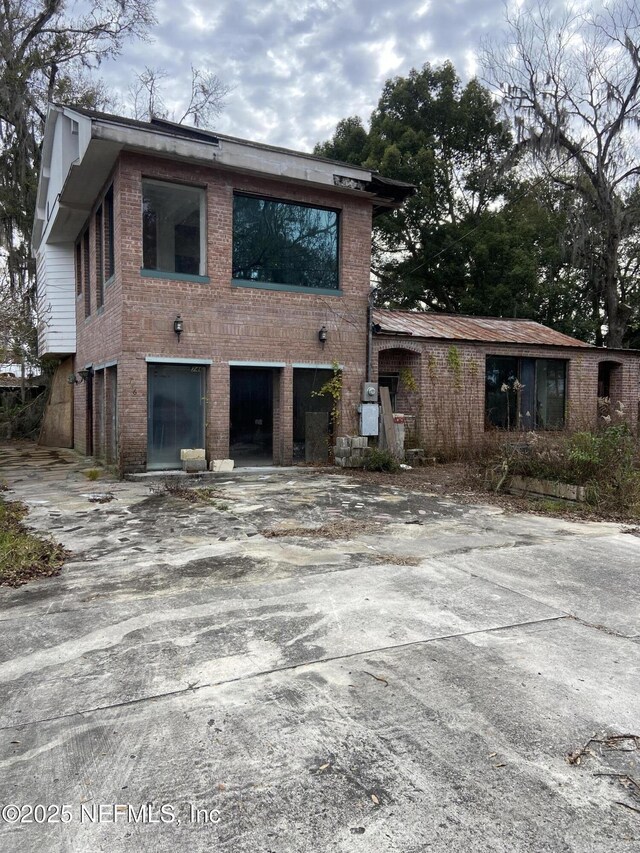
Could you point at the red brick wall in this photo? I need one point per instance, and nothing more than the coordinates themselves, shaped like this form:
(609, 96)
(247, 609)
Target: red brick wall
(98, 336)
(449, 404)
(221, 322)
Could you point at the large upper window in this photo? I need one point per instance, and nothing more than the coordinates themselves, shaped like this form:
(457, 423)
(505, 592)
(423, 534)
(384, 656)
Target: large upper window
(172, 228)
(525, 393)
(276, 242)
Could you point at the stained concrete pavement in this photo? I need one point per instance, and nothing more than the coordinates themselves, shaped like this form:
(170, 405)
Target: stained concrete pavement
(413, 685)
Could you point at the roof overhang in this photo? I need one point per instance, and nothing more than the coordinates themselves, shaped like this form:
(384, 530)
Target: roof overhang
(101, 139)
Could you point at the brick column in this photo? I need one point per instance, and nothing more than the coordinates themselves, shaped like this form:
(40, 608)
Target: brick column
(132, 405)
(283, 416)
(218, 397)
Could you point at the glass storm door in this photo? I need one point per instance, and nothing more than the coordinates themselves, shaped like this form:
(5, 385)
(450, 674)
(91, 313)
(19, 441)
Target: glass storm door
(175, 413)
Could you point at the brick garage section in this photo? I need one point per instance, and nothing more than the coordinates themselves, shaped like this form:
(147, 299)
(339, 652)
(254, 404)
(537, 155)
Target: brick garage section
(448, 400)
(222, 322)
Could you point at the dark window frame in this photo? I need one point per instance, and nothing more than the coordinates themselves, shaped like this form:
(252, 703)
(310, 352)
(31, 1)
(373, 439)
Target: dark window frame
(104, 227)
(270, 282)
(86, 270)
(522, 408)
(99, 250)
(108, 241)
(78, 265)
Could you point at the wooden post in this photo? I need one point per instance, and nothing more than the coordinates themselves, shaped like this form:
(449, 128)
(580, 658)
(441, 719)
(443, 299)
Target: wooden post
(387, 422)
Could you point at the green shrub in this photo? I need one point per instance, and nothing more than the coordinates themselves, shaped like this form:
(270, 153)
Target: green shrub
(380, 460)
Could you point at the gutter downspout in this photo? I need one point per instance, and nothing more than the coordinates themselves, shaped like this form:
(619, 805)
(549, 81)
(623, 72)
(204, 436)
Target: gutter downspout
(372, 294)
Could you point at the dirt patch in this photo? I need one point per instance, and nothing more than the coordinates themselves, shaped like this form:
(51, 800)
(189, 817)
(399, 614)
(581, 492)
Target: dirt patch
(445, 478)
(463, 481)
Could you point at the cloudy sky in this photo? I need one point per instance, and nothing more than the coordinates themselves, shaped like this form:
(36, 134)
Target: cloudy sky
(298, 66)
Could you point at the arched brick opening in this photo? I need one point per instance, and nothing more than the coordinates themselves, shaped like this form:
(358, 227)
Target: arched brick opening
(610, 387)
(399, 369)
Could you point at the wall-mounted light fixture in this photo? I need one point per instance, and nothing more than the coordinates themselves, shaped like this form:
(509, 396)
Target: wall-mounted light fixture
(322, 335)
(178, 326)
(82, 376)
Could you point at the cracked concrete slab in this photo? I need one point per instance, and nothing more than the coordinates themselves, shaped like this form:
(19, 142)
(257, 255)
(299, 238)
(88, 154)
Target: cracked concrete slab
(292, 760)
(84, 659)
(598, 582)
(412, 683)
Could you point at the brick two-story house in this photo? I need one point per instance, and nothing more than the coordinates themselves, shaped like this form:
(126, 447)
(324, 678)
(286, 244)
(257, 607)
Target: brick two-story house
(197, 288)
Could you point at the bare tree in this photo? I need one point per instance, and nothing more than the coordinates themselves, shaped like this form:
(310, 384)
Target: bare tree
(46, 48)
(145, 93)
(570, 79)
(206, 99)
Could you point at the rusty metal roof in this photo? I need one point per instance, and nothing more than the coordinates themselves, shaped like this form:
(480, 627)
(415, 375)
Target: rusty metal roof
(458, 327)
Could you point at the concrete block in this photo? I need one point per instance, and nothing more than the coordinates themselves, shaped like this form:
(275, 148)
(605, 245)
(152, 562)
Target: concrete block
(192, 466)
(221, 465)
(192, 453)
(547, 488)
(360, 441)
(343, 441)
(355, 462)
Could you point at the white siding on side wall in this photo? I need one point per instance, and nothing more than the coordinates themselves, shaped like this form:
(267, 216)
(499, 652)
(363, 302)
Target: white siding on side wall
(56, 299)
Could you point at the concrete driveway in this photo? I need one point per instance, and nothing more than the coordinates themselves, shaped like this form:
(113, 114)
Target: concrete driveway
(409, 678)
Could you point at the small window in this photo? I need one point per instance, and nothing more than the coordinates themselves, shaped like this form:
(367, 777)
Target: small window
(172, 228)
(278, 242)
(108, 235)
(105, 266)
(525, 393)
(99, 259)
(78, 267)
(86, 273)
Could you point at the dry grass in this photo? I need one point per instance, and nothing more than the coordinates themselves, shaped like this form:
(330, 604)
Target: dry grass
(335, 530)
(397, 559)
(199, 495)
(92, 473)
(25, 556)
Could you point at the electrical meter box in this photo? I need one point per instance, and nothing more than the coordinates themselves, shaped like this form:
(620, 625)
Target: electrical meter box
(369, 418)
(370, 392)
